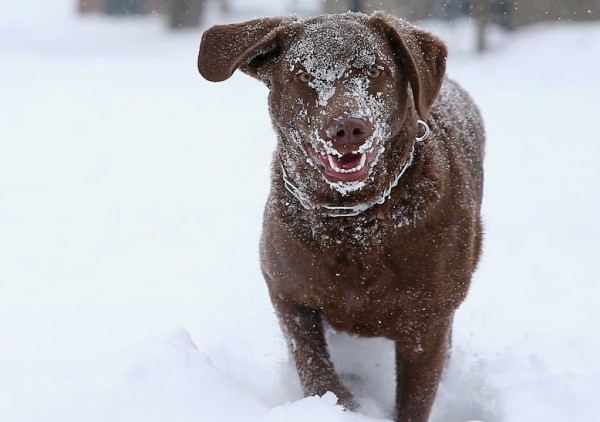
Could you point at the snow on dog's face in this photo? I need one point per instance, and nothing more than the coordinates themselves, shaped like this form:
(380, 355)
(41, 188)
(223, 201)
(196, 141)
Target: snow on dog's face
(338, 95)
(337, 104)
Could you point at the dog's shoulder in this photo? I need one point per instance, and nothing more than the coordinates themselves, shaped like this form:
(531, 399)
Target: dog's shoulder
(456, 113)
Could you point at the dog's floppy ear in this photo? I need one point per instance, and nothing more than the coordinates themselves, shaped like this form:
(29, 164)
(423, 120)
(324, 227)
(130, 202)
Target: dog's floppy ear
(246, 45)
(422, 55)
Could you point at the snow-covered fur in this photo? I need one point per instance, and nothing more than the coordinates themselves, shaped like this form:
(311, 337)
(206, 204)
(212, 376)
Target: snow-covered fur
(365, 228)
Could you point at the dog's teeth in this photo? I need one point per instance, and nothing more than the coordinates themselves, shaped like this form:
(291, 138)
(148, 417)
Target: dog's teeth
(332, 164)
(359, 167)
(363, 160)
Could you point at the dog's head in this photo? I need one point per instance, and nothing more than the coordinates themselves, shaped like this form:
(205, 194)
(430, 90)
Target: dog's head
(339, 96)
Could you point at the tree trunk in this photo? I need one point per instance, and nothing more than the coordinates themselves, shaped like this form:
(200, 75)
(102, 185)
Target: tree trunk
(184, 13)
(224, 6)
(356, 5)
(482, 14)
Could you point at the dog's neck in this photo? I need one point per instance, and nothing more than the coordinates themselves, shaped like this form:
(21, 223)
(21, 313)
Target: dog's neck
(352, 211)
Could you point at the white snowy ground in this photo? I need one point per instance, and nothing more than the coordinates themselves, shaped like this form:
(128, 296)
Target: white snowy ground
(131, 194)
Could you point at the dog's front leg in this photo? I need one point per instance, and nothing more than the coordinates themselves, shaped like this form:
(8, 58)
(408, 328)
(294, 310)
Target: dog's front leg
(303, 328)
(419, 365)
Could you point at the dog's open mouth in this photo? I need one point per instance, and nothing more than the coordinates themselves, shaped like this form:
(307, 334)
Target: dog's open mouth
(350, 167)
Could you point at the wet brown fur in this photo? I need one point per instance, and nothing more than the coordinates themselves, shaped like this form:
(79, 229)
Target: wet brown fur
(398, 270)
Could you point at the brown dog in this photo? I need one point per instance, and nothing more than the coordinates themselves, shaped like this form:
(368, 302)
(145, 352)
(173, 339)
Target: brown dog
(369, 226)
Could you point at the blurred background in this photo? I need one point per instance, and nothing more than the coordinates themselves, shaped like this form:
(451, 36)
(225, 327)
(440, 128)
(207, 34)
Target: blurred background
(509, 14)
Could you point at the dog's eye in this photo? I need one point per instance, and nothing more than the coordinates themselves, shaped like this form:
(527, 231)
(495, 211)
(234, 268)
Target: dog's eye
(374, 72)
(304, 77)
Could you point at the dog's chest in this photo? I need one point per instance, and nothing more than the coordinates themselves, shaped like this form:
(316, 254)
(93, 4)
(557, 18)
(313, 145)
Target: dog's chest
(351, 238)
(357, 274)
(359, 289)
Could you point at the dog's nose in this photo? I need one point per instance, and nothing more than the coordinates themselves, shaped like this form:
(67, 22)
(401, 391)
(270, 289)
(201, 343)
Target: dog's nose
(348, 134)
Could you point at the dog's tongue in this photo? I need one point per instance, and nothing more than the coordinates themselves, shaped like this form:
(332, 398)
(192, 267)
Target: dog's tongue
(347, 161)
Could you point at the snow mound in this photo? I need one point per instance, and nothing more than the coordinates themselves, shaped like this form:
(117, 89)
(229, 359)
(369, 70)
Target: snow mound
(165, 378)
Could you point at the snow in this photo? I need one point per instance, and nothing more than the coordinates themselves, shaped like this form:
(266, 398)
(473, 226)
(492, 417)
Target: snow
(131, 194)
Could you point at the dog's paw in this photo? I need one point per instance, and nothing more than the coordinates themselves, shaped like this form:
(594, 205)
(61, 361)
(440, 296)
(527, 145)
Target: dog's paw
(346, 400)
